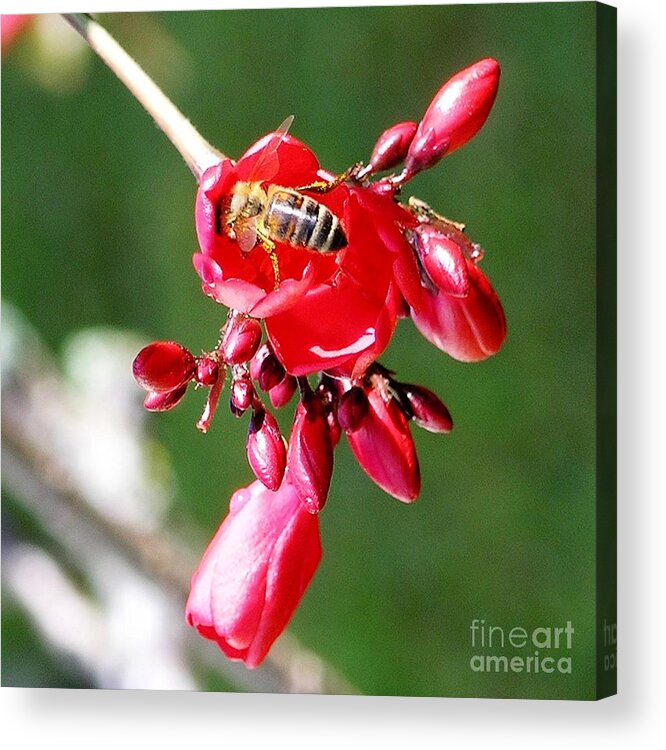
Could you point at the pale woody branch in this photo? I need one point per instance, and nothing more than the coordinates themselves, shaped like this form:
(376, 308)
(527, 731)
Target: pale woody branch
(195, 150)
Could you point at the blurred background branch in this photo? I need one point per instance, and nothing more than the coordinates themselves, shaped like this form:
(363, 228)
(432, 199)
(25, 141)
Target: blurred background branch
(110, 591)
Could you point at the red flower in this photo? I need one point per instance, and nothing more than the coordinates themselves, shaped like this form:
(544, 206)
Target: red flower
(329, 310)
(254, 572)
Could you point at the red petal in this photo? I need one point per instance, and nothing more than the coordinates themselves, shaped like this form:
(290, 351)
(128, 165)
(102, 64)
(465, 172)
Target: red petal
(281, 394)
(297, 163)
(165, 400)
(331, 325)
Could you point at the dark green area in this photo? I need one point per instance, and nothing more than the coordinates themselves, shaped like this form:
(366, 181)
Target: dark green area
(26, 662)
(98, 231)
(606, 352)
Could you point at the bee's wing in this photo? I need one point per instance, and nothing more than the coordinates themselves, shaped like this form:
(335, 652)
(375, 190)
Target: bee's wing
(246, 234)
(268, 163)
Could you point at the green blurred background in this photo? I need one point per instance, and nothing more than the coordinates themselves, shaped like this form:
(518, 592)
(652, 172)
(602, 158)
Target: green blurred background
(98, 231)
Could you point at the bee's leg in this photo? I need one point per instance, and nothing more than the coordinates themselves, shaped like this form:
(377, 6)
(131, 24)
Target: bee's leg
(438, 217)
(435, 217)
(457, 224)
(269, 246)
(323, 186)
(421, 208)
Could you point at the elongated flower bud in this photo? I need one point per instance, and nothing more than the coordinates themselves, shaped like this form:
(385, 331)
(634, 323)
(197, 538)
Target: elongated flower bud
(266, 452)
(442, 259)
(352, 409)
(163, 366)
(455, 115)
(428, 411)
(310, 455)
(242, 395)
(281, 394)
(164, 400)
(392, 145)
(241, 339)
(384, 448)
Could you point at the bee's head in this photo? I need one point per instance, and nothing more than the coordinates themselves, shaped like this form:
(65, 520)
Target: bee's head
(245, 202)
(236, 205)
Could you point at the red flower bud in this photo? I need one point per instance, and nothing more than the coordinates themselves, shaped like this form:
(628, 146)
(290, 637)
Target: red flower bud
(352, 409)
(266, 452)
(164, 400)
(392, 146)
(207, 371)
(310, 455)
(242, 395)
(384, 448)
(163, 366)
(254, 572)
(271, 373)
(428, 411)
(442, 259)
(241, 339)
(455, 115)
(265, 350)
(281, 394)
(468, 328)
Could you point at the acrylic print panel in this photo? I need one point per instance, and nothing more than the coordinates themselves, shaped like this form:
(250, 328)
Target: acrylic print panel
(395, 296)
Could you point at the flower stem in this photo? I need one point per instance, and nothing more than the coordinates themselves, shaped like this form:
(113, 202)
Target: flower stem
(195, 150)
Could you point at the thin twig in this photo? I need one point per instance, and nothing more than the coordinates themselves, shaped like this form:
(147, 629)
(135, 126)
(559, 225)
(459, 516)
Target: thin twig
(192, 146)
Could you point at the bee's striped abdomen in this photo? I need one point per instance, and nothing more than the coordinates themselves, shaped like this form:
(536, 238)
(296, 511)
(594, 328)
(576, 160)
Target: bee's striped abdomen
(299, 220)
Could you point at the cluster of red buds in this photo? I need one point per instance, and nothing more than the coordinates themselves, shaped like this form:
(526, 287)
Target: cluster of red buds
(326, 323)
(373, 411)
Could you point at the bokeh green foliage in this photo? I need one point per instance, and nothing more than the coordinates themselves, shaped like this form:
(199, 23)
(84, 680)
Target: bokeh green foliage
(98, 230)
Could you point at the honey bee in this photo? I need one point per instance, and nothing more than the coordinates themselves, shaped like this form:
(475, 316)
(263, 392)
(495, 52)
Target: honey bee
(254, 213)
